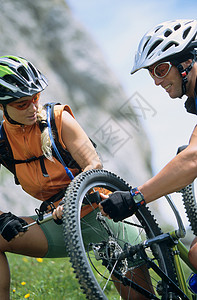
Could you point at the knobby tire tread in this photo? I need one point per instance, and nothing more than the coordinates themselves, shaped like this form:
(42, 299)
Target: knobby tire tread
(73, 237)
(190, 205)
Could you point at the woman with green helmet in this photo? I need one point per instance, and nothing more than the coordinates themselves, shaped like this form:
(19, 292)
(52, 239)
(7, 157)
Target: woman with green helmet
(41, 175)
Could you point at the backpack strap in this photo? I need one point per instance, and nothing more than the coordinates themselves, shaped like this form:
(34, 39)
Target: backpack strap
(67, 157)
(54, 148)
(6, 155)
(7, 158)
(47, 203)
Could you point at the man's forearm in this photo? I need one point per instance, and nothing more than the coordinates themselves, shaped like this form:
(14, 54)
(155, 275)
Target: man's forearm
(177, 174)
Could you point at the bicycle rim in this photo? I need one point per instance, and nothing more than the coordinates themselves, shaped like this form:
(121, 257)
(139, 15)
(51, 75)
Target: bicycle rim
(94, 262)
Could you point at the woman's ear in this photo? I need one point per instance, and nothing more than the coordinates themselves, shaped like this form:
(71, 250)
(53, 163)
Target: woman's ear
(1, 107)
(186, 63)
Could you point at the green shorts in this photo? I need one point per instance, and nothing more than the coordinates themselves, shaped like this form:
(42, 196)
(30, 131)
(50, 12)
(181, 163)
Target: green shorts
(55, 238)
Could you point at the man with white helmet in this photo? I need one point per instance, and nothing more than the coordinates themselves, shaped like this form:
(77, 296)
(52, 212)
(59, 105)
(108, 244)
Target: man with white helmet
(168, 53)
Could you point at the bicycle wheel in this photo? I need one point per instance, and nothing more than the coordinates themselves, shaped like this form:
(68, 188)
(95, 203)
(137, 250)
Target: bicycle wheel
(93, 242)
(189, 201)
(190, 205)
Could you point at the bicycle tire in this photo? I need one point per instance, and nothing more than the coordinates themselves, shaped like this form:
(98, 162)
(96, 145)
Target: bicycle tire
(189, 201)
(73, 235)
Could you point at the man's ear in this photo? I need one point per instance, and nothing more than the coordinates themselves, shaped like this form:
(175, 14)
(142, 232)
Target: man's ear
(186, 63)
(1, 107)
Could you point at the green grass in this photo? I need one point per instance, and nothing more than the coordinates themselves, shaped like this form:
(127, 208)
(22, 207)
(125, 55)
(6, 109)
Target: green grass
(44, 280)
(47, 279)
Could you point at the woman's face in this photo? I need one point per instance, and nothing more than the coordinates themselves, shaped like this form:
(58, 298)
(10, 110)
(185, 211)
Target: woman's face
(24, 110)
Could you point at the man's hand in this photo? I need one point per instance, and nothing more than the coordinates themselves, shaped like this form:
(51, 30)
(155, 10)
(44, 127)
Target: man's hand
(11, 226)
(121, 205)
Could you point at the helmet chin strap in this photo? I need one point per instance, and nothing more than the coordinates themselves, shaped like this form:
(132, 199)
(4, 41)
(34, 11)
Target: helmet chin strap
(184, 72)
(8, 117)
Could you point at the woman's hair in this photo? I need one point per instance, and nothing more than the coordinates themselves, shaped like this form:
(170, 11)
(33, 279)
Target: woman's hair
(46, 145)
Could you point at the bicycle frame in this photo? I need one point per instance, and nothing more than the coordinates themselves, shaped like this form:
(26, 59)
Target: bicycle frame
(180, 252)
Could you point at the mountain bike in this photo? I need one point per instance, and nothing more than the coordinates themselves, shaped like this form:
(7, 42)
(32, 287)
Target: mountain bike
(111, 261)
(107, 265)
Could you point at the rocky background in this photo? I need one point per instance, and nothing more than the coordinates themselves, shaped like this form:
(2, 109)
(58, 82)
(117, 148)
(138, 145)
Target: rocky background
(46, 33)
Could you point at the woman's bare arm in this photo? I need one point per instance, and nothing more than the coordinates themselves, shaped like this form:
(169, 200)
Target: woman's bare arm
(78, 144)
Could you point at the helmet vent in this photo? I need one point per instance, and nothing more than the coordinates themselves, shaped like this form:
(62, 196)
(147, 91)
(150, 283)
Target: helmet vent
(4, 64)
(195, 37)
(167, 33)
(154, 46)
(186, 32)
(23, 73)
(169, 46)
(177, 26)
(12, 58)
(12, 80)
(38, 83)
(3, 90)
(33, 70)
(146, 44)
(159, 27)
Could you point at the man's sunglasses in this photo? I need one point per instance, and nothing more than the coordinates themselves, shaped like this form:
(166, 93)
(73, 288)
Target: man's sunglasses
(160, 70)
(24, 104)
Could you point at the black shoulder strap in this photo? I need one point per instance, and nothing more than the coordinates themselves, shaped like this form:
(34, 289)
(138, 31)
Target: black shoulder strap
(6, 155)
(7, 158)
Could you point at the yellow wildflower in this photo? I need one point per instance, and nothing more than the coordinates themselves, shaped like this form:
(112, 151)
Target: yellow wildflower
(39, 260)
(25, 259)
(23, 282)
(27, 296)
(14, 291)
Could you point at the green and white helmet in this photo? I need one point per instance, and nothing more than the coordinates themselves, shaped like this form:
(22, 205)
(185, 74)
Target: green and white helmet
(19, 78)
(167, 41)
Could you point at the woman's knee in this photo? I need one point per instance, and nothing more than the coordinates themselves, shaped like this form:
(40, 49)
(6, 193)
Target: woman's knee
(4, 247)
(193, 242)
(192, 255)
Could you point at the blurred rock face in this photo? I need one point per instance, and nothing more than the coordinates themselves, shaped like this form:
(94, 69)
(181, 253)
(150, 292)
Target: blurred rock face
(46, 33)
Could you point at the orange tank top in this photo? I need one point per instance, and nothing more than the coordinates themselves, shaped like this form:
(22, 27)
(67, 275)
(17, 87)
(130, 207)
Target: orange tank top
(25, 142)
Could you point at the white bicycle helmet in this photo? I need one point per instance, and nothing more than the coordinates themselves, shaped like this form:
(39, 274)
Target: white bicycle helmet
(165, 42)
(19, 78)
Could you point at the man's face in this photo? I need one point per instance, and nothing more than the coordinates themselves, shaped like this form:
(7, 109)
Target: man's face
(172, 82)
